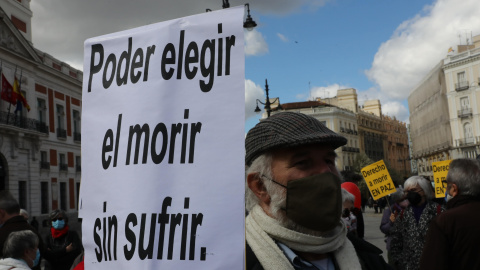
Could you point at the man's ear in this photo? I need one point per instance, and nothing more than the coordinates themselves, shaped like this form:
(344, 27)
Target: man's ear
(454, 190)
(256, 185)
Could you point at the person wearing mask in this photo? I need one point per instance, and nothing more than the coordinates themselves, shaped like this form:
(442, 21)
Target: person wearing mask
(453, 237)
(411, 225)
(12, 221)
(63, 243)
(294, 198)
(347, 215)
(399, 202)
(356, 209)
(20, 251)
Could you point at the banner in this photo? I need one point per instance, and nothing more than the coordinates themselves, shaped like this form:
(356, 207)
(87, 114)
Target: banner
(440, 171)
(163, 145)
(378, 180)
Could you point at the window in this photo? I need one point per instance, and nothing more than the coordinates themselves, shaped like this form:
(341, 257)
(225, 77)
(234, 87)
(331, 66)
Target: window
(41, 108)
(78, 195)
(22, 194)
(464, 103)
(76, 126)
(461, 76)
(63, 196)
(44, 197)
(44, 164)
(78, 164)
(61, 132)
(62, 163)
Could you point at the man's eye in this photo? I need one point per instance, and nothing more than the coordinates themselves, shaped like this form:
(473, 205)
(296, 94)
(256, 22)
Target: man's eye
(301, 163)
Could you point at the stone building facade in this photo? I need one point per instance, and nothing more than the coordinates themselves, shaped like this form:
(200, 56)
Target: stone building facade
(40, 148)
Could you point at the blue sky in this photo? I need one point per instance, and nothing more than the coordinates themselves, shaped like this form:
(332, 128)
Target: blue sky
(382, 48)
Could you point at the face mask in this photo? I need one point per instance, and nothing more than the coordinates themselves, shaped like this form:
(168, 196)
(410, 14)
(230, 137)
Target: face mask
(59, 224)
(414, 198)
(37, 258)
(314, 202)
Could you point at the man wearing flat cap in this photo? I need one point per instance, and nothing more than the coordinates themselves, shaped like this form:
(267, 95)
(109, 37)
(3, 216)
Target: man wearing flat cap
(294, 199)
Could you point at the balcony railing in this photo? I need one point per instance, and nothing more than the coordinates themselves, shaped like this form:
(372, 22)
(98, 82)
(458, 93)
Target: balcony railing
(350, 149)
(12, 119)
(466, 112)
(63, 167)
(44, 165)
(77, 136)
(463, 85)
(466, 141)
(61, 133)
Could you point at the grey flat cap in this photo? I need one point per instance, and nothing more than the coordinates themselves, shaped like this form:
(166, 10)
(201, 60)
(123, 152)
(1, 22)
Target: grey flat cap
(288, 129)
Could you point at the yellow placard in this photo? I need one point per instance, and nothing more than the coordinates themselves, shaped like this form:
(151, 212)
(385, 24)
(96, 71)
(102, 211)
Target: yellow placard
(378, 180)
(440, 171)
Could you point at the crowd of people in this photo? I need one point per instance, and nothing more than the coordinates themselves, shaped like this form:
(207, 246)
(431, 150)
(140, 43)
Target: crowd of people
(23, 247)
(302, 213)
(301, 216)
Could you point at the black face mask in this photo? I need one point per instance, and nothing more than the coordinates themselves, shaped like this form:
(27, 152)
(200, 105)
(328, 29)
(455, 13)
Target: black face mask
(314, 202)
(414, 198)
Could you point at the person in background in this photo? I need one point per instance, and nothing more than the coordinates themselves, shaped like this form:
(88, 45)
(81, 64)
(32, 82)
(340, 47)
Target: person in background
(63, 243)
(389, 216)
(356, 210)
(411, 225)
(12, 221)
(453, 238)
(20, 251)
(24, 213)
(347, 214)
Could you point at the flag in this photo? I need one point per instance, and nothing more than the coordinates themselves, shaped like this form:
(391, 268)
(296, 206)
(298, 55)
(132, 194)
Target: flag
(451, 50)
(7, 91)
(16, 90)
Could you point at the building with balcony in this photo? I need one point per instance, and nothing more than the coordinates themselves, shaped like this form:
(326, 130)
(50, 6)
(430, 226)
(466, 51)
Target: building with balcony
(444, 114)
(40, 147)
(367, 130)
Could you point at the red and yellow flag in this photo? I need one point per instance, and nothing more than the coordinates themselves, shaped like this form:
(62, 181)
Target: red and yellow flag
(16, 90)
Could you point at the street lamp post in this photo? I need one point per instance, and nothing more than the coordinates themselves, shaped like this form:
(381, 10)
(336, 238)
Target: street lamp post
(249, 23)
(267, 103)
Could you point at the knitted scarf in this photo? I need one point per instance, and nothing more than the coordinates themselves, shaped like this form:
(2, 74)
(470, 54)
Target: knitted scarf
(260, 229)
(57, 233)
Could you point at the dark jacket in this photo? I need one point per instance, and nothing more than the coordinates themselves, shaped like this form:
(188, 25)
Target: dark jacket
(369, 256)
(15, 224)
(453, 239)
(408, 235)
(61, 259)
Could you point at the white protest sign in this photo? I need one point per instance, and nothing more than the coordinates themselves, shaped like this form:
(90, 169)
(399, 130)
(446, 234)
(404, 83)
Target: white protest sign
(163, 145)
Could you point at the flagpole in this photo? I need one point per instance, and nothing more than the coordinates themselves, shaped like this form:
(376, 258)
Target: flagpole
(10, 103)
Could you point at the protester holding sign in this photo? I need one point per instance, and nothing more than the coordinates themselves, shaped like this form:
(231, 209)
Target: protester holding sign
(411, 224)
(294, 198)
(453, 239)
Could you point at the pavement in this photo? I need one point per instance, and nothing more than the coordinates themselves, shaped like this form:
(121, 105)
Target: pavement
(372, 230)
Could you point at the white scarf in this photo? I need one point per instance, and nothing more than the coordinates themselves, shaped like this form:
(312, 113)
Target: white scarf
(260, 229)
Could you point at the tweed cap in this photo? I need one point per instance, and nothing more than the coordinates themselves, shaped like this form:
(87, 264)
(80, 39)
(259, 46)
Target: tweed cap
(288, 129)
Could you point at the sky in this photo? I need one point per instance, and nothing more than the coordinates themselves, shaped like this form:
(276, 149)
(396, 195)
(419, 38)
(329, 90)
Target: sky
(305, 48)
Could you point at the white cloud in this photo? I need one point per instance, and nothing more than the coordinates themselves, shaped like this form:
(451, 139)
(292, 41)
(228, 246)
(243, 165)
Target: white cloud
(324, 91)
(252, 93)
(282, 37)
(396, 109)
(420, 43)
(255, 43)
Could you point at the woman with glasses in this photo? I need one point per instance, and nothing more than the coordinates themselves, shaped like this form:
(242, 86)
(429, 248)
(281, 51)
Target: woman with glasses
(63, 243)
(411, 224)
